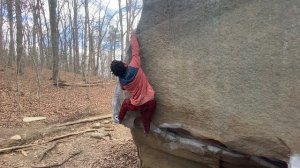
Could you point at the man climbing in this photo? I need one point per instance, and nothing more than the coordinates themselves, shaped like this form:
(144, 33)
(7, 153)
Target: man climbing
(133, 79)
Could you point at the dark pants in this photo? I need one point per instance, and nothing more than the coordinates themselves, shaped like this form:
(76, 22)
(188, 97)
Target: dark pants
(146, 110)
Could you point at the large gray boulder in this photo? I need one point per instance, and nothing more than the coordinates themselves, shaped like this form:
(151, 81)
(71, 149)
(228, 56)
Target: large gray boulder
(226, 73)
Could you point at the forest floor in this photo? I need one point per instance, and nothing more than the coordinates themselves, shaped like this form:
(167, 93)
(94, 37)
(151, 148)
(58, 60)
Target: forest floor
(47, 143)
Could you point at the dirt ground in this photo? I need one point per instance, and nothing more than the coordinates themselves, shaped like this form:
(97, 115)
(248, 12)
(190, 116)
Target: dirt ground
(116, 150)
(23, 97)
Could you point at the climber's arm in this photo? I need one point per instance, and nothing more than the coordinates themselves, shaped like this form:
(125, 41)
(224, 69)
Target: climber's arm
(135, 50)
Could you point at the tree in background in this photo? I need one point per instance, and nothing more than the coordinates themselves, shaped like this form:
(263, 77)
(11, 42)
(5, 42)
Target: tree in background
(121, 29)
(54, 39)
(75, 37)
(132, 11)
(80, 36)
(11, 55)
(85, 40)
(2, 51)
(20, 65)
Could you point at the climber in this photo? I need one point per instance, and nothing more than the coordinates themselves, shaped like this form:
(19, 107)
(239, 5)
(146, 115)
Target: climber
(133, 79)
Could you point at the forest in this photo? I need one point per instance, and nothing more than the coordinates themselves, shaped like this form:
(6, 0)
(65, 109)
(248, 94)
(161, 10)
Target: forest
(56, 86)
(80, 36)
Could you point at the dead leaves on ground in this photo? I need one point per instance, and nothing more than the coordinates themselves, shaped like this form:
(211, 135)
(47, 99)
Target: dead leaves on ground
(57, 104)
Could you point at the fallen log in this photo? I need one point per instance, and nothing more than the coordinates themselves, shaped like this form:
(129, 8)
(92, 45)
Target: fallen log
(5, 150)
(63, 84)
(93, 82)
(68, 135)
(99, 81)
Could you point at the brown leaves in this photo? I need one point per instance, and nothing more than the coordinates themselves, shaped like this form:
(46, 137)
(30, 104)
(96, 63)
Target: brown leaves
(57, 104)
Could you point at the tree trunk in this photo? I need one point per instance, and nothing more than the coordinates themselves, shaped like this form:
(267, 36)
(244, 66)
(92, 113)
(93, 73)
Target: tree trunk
(1, 34)
(54, 39)
(75, 38)
(128, 20)
(19, 36)
(11, 54)
(47, 45)
(121, 27)
(86, 24)
(131, 12)
(91, 50)
(40, 33)
(102, 34)
(102, 68)
(115, 42)
(71, 37)
(110, 55)
(28, 42)
(34, 33)
(70, 54)
(66, 46)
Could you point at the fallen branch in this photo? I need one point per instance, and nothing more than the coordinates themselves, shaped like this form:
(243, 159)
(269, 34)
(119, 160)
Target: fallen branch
(93, 82)
(62, 84)
(109, 129)
(85, 120)
(58, 164)
(68, 135)
(47, 150)
(5, 150)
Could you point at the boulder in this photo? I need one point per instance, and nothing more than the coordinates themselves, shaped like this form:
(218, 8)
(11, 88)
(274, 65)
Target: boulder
(227, 74)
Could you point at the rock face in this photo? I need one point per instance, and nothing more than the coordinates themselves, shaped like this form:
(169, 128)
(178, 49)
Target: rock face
(226, 73)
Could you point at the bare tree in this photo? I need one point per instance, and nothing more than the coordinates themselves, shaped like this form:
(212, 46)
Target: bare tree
(40, 32)
(1, 33)
(11, 54)
(132, 11)
(101, 34)
(65, 45)
(71, 38)
(58, 40)
(135, 12)
(75, 37)
(115, 40)
(128, 19)
(112, 40)
(122, 32)
(54, 39)
(33, 6)
(18, 7)
(27, 40)
(91, 64)
(85, 40)
(48, 49)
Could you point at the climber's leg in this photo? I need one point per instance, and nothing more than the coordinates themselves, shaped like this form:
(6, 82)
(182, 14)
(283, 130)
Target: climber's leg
(147, 111)
(126, 106)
